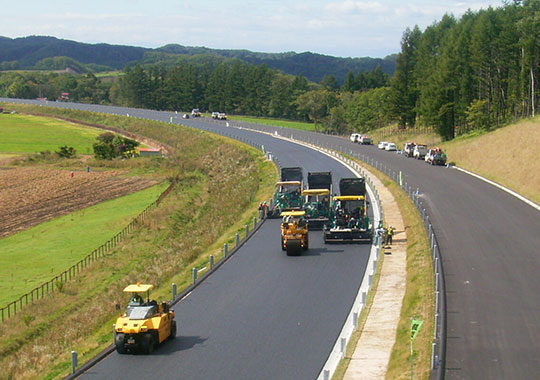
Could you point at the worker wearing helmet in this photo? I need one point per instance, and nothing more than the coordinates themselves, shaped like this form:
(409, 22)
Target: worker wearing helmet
(389, 235)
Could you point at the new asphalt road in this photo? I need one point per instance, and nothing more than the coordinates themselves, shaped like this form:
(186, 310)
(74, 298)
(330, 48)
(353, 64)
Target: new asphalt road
(489, 244)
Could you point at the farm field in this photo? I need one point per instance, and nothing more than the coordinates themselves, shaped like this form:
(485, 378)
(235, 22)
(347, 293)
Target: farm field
(35, 255)
(32, 195)
(32, 134)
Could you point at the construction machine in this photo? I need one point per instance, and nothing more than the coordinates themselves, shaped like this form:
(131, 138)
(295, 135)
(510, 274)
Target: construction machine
(317, 199)
(294, 232)
(288, 192)
(349, 221)
(144, 324)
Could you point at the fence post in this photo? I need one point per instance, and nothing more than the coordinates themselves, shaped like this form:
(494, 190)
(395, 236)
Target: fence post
(237, 239)
(247, 231)
(225, 249)
(194, 275)
(211, 262)
(173, 291)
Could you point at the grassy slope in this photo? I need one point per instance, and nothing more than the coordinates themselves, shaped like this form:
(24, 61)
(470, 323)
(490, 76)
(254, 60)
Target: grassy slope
(509, 156)
(18, 134)
(34, 256)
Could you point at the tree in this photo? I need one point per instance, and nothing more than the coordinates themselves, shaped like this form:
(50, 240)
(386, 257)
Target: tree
(404, 85)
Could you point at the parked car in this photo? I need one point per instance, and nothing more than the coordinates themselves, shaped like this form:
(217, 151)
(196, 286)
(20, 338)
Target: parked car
(420, 151)
(215, 115)
(436, 157)
(365, 140)
(382, 145)
(195, 112)
(355, 137)
(391, 147)
(222, 116)
(185, 116)
(408, 149)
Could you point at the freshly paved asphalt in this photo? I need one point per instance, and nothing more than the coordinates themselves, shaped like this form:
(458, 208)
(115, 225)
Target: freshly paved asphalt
(489, 244)
(262, 315)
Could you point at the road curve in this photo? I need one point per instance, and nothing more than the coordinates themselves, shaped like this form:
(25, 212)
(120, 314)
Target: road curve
(488, 240)
(263, 314)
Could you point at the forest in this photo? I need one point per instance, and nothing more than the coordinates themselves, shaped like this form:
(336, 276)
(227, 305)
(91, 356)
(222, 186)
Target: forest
(476, 72)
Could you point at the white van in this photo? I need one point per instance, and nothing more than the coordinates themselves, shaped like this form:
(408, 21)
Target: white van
(355, 137)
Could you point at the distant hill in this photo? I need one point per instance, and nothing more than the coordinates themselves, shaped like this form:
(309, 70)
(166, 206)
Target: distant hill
(39, 52)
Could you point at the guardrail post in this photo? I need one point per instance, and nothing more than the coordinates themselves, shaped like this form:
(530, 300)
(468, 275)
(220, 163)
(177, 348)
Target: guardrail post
(432, 356)
(355, 321)
(247, 231)
(73, 361)
(174, 291)
(326, 374)
(237, 239)
(225, 249)
(194, 275)
(211, 262)
(342, 348)
(255, 222)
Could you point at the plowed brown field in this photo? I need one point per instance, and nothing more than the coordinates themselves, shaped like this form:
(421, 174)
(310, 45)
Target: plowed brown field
(29, 196)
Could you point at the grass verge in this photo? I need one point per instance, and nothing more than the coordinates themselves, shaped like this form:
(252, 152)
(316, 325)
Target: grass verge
(418, 301)
(277, 122)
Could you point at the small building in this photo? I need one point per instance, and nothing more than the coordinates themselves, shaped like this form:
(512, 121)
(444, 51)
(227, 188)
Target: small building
(147, 152)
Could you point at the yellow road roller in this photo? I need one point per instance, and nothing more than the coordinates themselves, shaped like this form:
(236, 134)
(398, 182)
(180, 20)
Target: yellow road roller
(145, 323)
(294, 232)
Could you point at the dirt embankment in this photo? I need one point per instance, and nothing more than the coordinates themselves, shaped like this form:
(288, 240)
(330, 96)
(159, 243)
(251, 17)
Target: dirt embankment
(29, 196)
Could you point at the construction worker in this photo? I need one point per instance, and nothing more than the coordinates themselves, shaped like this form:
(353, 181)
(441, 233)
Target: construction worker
(265, 208)
(136, 299)
(389, 235)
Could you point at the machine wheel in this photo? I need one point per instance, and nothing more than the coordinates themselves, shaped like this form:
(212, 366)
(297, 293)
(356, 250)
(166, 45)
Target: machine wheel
(173, 330)
(306, 245)
(282, 244)
(119, 343)
(294, 248)
(148, 343)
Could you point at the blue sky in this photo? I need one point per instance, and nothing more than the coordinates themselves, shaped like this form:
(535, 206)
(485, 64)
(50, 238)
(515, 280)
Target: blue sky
(345, 28)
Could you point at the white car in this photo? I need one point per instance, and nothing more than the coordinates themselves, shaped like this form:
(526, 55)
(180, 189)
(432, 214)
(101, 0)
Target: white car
(420, 151)
(390, 147)
(382, 145)
(355, 137)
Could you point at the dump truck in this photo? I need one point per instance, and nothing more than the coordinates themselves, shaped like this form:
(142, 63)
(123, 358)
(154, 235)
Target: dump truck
(294, 232)
(349, 221)
(288, 192)
(317, 199)
(145, 324)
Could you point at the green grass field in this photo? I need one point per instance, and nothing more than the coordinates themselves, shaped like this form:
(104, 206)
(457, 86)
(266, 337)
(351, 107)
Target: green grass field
(32, 134)
(276, 122)
(32, 257)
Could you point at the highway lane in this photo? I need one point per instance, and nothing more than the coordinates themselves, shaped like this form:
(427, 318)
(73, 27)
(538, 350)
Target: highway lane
(489, 243)
(263, 314)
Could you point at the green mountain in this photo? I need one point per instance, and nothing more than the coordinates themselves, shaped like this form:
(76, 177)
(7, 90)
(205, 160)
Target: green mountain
(39, 52)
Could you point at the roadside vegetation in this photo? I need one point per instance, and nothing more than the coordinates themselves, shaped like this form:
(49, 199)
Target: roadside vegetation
(220, 182)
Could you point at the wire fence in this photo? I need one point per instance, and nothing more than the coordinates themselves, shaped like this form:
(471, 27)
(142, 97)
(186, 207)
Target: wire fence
(58, 281)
